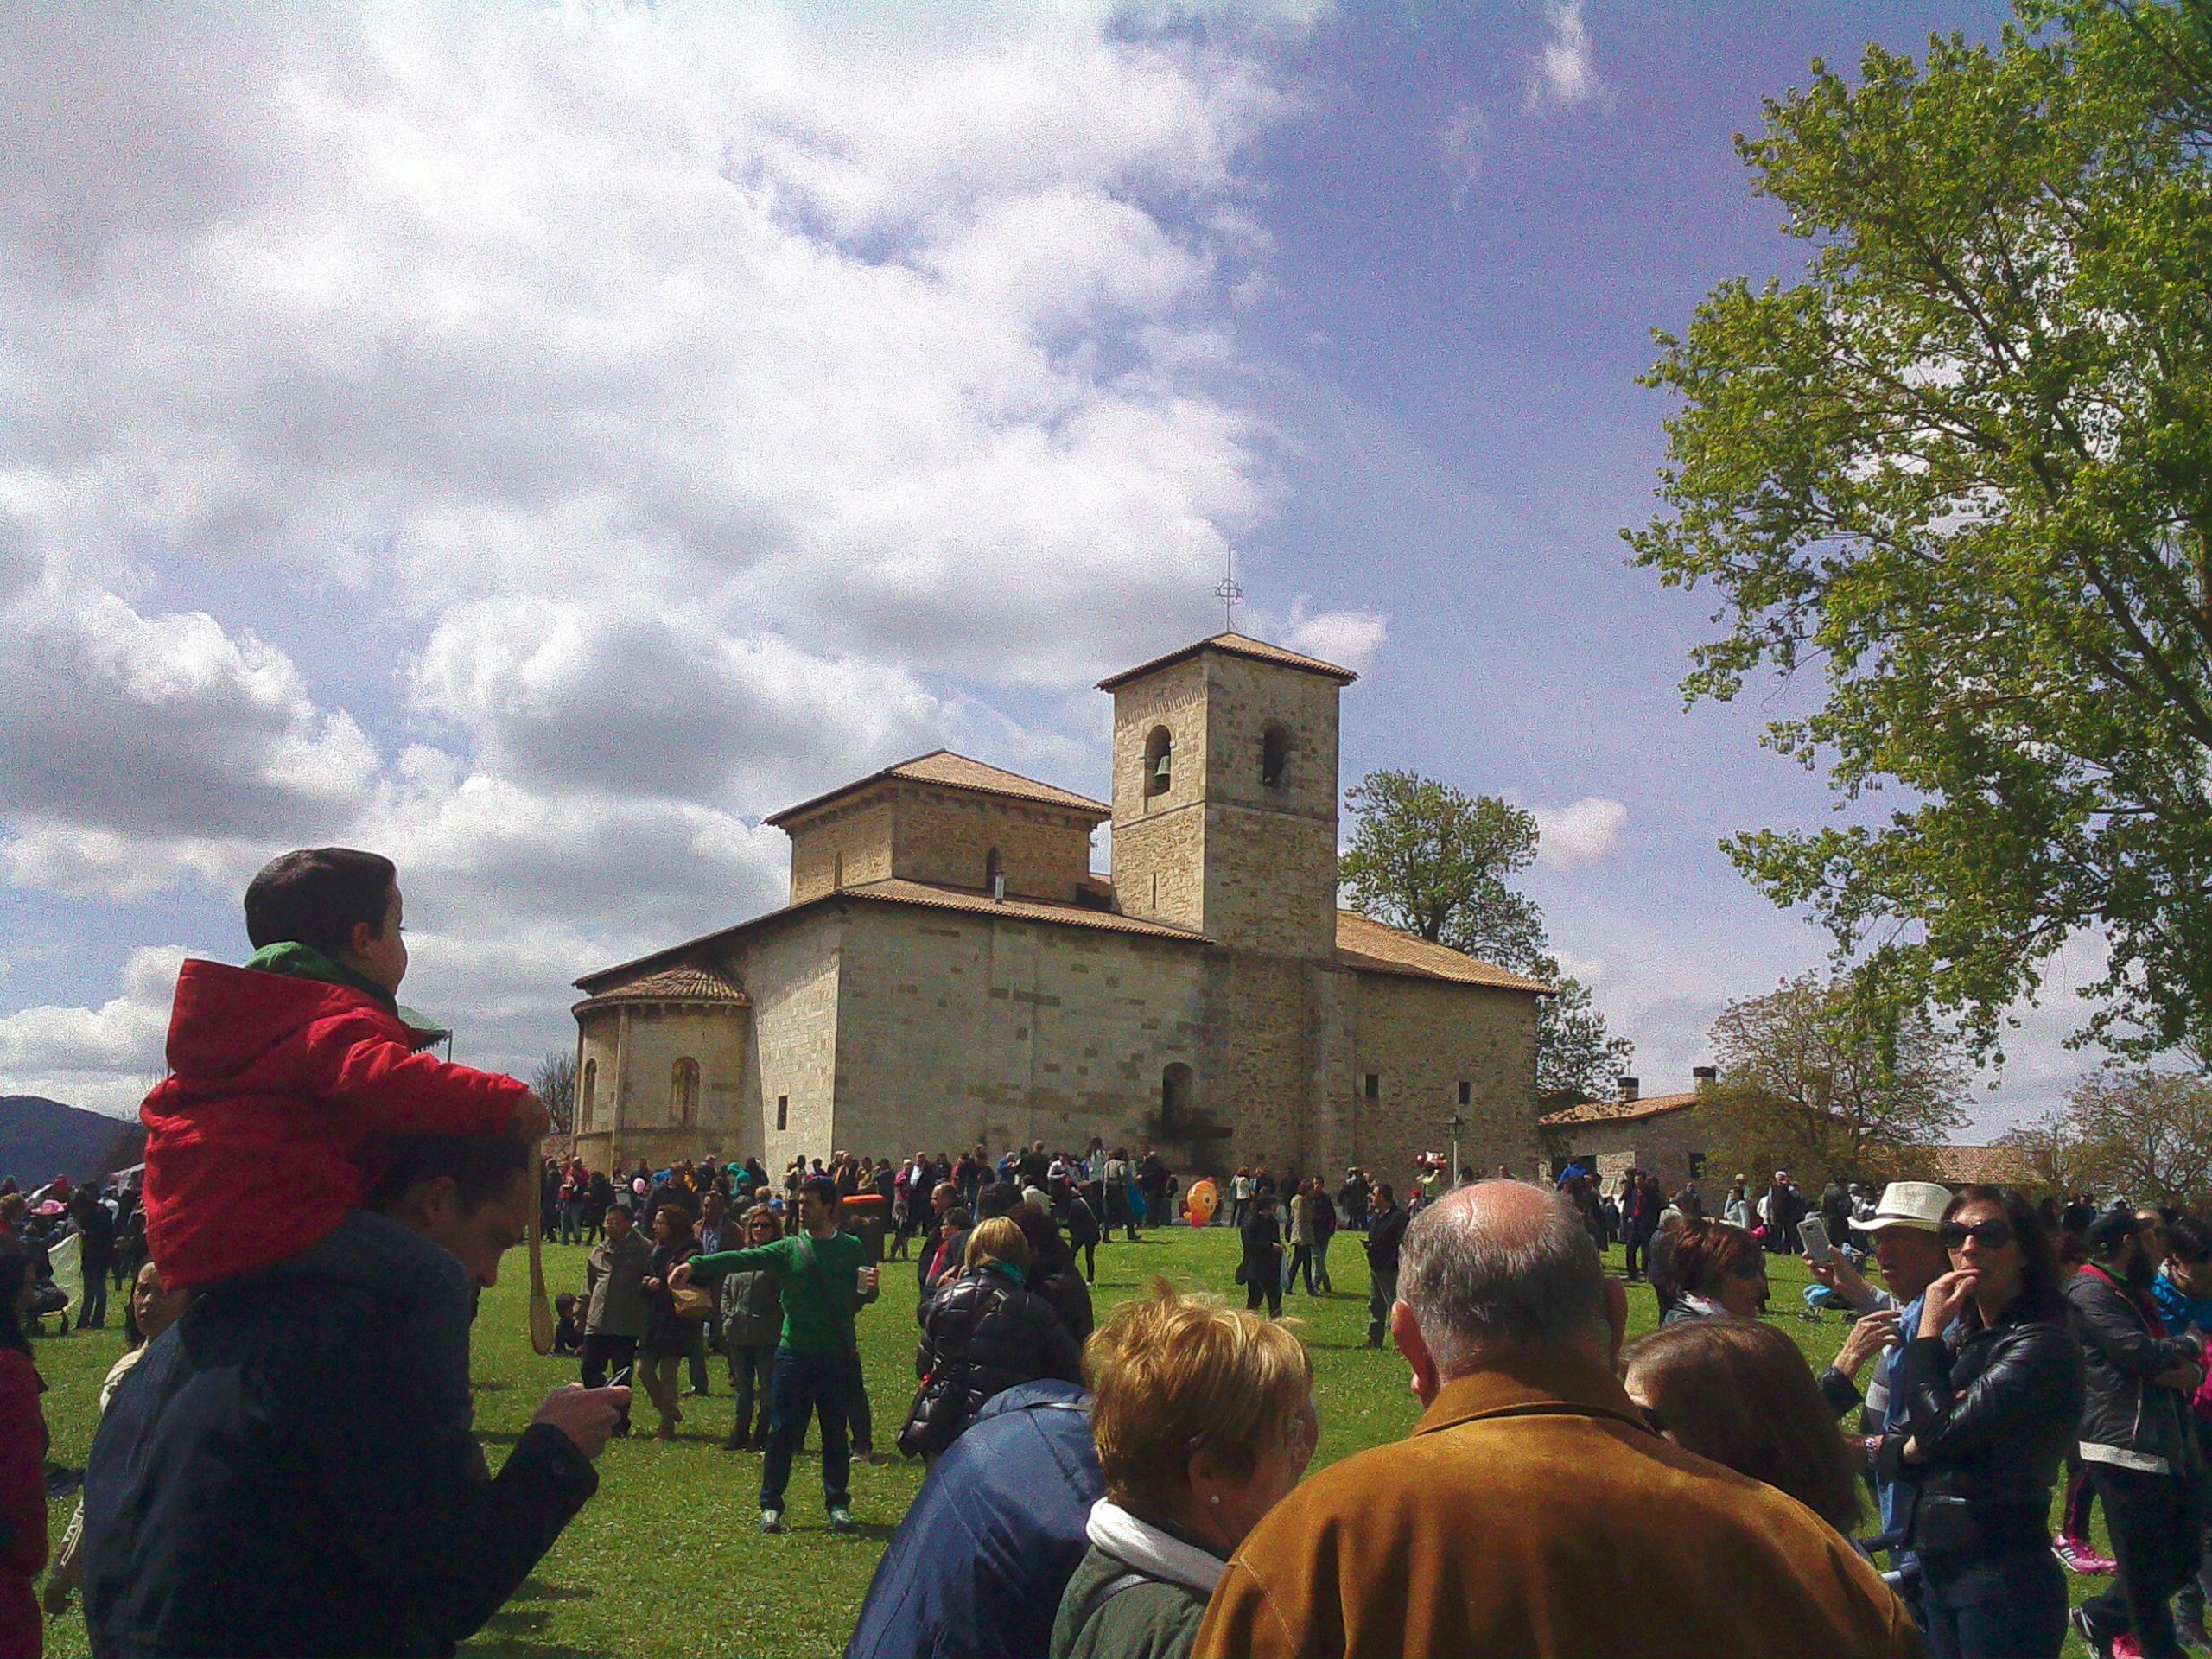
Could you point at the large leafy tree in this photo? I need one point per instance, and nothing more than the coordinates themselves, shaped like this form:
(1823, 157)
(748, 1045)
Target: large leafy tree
(2140, 1131)
(1428, 859)
(1808, 1083)
(1964, 469)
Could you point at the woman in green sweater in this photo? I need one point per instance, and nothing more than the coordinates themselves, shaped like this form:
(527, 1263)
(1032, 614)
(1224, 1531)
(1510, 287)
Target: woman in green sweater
(823, 1282)
(1203, 1417)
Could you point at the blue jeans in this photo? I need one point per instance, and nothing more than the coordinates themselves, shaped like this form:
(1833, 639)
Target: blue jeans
(2006, 1606)
(802, 1386)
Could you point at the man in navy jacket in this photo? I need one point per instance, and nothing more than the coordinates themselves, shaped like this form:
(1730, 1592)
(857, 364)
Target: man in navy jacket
(283, 1474)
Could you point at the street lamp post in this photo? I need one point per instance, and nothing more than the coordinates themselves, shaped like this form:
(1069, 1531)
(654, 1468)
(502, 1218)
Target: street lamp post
(1457, 1124)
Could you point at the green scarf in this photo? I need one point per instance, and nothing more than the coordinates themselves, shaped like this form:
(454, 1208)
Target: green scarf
(305, 961)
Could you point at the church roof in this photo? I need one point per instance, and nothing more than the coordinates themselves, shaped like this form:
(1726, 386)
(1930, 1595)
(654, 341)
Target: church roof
(684, 982)
(1620, 1111)
(893, 891)
(1236, 644)
(948, 771)
(1371, 948)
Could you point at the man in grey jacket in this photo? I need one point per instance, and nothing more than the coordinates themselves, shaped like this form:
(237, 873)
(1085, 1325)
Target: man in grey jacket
(2139, 1440)
(616, 1308)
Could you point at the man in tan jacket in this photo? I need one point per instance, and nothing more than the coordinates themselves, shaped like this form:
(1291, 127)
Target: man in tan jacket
(1533, 1512)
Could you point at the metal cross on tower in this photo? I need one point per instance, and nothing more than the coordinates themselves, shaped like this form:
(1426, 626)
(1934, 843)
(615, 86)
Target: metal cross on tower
(1229, 593)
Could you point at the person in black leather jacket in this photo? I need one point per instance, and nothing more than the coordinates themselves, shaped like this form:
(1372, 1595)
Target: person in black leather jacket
(982, 1332)
(2138, 1438)
(1993, 1390)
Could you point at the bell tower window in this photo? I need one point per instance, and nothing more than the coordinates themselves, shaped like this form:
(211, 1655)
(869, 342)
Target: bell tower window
(1159, 762)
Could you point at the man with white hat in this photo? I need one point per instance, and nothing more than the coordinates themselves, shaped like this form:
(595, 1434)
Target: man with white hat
(1906, 1230)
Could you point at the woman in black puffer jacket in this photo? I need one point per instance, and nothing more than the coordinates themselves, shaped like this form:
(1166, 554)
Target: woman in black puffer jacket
(983, 1333)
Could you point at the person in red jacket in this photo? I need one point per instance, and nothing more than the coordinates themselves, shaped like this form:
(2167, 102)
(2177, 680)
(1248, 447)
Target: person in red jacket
(285, 1074)
(22, 1464)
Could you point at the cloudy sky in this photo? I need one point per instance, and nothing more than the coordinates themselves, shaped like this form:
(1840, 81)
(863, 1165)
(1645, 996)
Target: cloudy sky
(538, 441)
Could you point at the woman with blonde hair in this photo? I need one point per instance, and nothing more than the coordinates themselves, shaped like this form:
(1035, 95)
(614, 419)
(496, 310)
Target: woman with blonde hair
(1204, 1419)
(983, 1332)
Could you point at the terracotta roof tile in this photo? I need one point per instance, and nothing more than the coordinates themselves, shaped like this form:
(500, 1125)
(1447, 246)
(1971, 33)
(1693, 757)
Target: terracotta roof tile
(1620, 1111)
(1368, 946)
(684, 982)
(950, 771)
(1980, 1165)
(1234, 644)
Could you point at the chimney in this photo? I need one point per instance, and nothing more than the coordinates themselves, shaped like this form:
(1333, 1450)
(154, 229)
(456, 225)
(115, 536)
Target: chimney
(1627, 1087)
(1704, 1076)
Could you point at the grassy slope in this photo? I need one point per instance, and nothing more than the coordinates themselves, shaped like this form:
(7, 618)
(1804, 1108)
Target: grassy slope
(666, 1559)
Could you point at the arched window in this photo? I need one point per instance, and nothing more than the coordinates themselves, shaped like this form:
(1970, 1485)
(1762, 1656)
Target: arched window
(590, 1090)
(994, 872)
(684, 1092)
(1159, 762)
(838, 871)
(1275, 755)
(1174, 1101)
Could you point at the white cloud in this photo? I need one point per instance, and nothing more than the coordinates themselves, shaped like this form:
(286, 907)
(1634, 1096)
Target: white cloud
(1460, 142)
(694, 405)
(1574, 837)
(103, 1059)
(1565, 72)
(1348, 637)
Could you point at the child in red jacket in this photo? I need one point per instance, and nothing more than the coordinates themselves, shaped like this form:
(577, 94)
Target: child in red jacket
(285, 1076)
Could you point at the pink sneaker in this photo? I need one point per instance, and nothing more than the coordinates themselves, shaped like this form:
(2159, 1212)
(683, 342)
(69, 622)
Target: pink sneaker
(2076, 1556)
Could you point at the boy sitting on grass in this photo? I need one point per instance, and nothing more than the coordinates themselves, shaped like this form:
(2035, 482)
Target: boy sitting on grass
(285, 1074)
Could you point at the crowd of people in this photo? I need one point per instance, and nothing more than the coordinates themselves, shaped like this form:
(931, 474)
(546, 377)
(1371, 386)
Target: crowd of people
(285, 1459)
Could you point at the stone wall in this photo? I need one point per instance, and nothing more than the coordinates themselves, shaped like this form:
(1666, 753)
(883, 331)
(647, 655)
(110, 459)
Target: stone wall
(843, 845)
(1671, 1145)
(947, 836)
(1250, 864)
(791, 971)
(1159, 840)
(1270, 848)
(1421, 1039)
(954, 1029)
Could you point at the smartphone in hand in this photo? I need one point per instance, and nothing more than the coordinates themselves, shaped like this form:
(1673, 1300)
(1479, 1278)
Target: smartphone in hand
(1812, 1234)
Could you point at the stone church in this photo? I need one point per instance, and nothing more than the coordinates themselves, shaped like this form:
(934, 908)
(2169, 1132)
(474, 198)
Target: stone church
(949, 972)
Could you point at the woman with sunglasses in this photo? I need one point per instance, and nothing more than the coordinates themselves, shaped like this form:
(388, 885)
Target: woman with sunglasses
(1993, 1391)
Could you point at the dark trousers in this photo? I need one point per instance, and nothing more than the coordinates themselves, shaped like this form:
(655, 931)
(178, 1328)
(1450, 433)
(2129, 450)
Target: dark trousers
(1993, 1606)
(1263, 1279)
(856, 1407)
(1301, 1267)
(802, 1387)
(92, 1311)
(605, 1356)
(1382, 1290)
(1090, 1249)
(750, 1373)
(1635, 1241)
(2189, 1600)
(2155, 1521)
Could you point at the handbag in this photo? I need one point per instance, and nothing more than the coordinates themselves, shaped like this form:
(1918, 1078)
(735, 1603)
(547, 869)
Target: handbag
(692, 1304)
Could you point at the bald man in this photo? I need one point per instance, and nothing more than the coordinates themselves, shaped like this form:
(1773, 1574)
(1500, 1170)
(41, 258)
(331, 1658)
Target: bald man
(1534, 1511)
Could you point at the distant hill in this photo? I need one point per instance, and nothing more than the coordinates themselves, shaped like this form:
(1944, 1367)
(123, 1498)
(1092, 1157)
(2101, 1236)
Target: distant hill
(41, 1138)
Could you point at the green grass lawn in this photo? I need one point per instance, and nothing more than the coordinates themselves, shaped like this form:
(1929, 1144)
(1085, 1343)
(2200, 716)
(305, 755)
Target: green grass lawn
(666, 1559)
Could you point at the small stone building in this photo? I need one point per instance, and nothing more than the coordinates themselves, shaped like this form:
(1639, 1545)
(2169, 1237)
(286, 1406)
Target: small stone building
(1633, 1130)
(949, 971)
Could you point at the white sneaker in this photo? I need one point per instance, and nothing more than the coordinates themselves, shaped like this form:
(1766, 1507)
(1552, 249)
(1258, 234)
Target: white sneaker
(841, 1520)
(771, 1520)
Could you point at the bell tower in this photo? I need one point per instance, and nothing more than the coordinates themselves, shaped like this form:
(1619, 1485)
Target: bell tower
(1225, 794)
